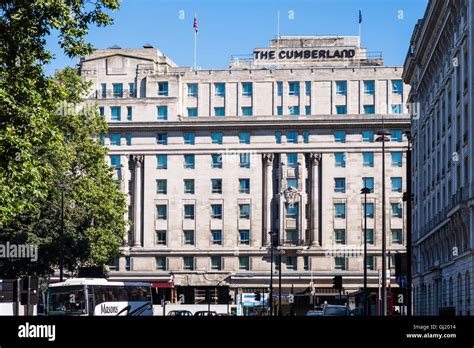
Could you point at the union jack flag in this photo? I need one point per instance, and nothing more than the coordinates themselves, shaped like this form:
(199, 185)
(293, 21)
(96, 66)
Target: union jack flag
(195, 24)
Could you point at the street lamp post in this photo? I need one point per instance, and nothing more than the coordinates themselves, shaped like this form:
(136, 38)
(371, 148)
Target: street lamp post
(365, 191)
(272, 234)
(408, 215)
(383, 138)
(63, 188)
(279, 278)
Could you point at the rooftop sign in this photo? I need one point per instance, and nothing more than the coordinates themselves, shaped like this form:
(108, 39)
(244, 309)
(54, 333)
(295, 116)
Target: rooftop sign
(302, 54)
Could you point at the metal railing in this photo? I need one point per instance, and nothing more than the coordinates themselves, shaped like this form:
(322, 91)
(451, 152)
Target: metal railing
(110, 94)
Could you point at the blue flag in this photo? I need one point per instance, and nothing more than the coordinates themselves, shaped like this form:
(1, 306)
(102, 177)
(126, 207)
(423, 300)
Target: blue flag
(360, 16)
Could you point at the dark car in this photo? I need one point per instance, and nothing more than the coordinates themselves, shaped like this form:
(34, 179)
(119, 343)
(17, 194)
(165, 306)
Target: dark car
(204, 313)
(335, 310)
(180, 314)
(315, 313)
(357, 312)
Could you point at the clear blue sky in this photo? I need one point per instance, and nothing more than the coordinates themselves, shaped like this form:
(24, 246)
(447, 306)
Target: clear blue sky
(229, 27)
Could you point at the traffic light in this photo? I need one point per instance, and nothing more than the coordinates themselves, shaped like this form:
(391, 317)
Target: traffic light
(258, 297)
(337, 282)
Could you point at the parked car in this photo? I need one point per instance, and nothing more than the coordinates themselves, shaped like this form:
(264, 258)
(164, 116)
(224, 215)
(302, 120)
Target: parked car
(357, 312)
(205, 313)
(180, 314)
(315, 313)
(336, 310)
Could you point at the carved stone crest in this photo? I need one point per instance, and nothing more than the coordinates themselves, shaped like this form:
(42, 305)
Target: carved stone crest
(290, 194)
(315, 159)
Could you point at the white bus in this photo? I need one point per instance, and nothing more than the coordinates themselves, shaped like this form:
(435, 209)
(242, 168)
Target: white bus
(90, 296)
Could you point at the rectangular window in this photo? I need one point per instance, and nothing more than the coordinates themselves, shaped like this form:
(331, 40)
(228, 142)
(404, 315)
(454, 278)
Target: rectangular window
(396, 210)
(244, 237)
(396, 135)
(340, 263)
(128, 263)
(341, 109)
(163, 89)
(188, 237)
(305, 137)
(219, 89)
(216, 160)
(279, 110)
(162, 161)
(340, 185)
(101, 111)
(244, 263)
(278, 137)
(128, 139)
(115, 113)
(292, 160)
(307, 109)
(306, 263)
(368, 210)
(369, 87)
(247, 111)
(292, 137)
(162, 139)
(189, 138)
(244, 185)
(216, 237)
(291, 236)
(368, 182)
(340, 210)
(396, 184)
(369, 109)
(340, 236)
(396, 159)
(188, 263)
(368, 159)
(216, 211)
(294, 110)
(131, 90)
(292, 211)
(294, 88)
(161, 212)
(291, 263)
(340, 137)
(160, 262)
(219, 111)
(280, 88)
(244, 160)
(192, 89)
(115, 139)
(162, 186)
(244, 138)
(117, 90)
(397, 236)
(189, 211)
(244, 211)
(129, 113)
(189, 162)
(216, 138)
(216, 185)
(397, 87)
(161, 237)
(292, 182)
(340, 158)
(247, 89)
(216, 263)
(370, 235)
(341, 87)
(368, 136)
(397, 108)
(162, 113)
(103, 88)
(192, 112)
(370, 262)
(115, 161)
(308, 88)
(189, 186)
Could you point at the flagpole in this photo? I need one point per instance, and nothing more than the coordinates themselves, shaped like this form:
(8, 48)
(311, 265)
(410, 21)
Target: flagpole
(195, 44)
(360, 34)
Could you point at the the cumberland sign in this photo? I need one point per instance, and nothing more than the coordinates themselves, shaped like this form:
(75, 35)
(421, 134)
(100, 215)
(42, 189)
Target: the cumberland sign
(303, 54)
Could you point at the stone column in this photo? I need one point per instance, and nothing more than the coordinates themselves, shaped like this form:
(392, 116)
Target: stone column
(267, 196)
(137, 200)
(315, 159)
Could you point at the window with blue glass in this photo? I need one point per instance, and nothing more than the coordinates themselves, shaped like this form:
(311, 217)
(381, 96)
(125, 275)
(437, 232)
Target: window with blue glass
(162, 139)
(189, 211)
(294, 110)
(280, 88)
(162, 112)
(189, 138)
(247, 89)
(291, 236)
(340, 210)
(115, 139)
(244, 185)
(370, 262)
(396, 210)
(219, 111)
(279, 110)
(188, 237)
(340, 137)
(370, 235)
(396, 108)
(292, 160)
(216, 160)
(292, 211)
(368, 159)
(340, 236)
(244, 263)
(244, 211)
(278, 137)
(305, 137)
(341, 109)
(101, 111)
(244, 160)
(368, 210)
(340, 158)
(162, 186)
(369, 109)
(216, 185)
(115, 161)
(128, 139)
(396, 159)
(163, 89)
(308, 88)
(216, 263)
(216, 211)
(131, 89)
(396, 184)
(340, 185)
(341, 87)
(103, 89)
(189, 186)
(396, 135)
(188, 263)
(244, 237)
(162, 161)
(129, 113)
(189, 161)
(115, 113)
(244, 138)
(219, 89)
(246, 111)
(397, 236)
(216, 237)
(192, 112)
(192, 89)
(160, 262)
(161, 212)
(369, 87)
(292, 137)
(117, 90)
(397, 87)
(307, 109)
(216, 138)
(368, 136)
(292, 182)
(368, 182)
(294, 88)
